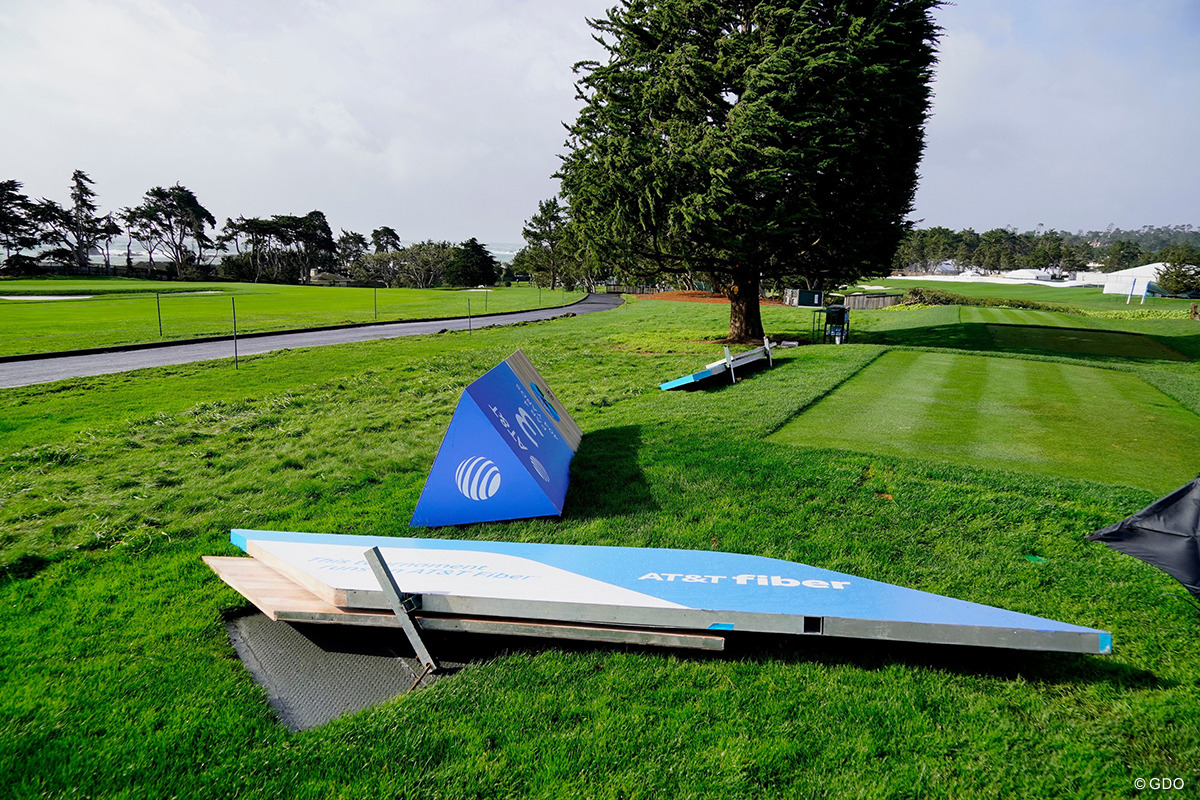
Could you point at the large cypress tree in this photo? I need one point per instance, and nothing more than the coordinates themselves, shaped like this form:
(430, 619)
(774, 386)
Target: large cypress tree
(471, 265)
(73, 232)
(776, 139)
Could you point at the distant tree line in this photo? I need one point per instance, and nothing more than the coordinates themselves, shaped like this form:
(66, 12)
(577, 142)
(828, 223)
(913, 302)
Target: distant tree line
(171, 225)
(924, 249)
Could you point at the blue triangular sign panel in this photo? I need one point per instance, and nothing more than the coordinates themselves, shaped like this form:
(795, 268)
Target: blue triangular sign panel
(476, 477)
(506, 455)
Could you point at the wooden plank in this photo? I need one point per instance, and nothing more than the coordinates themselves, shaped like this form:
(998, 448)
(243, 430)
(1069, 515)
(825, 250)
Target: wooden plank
(332, 596)
(284, 600)
(587, 633)
(740, 359)
(267, 589)
(523, 368)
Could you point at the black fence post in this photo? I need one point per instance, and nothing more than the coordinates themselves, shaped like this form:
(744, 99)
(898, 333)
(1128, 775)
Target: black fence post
(233, 302)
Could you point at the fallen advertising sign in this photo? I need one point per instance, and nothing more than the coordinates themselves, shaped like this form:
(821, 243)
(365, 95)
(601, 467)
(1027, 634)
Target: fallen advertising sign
(639, 589)
(506, 455)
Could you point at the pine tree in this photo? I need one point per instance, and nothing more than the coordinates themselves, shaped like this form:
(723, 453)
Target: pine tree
(750, 140)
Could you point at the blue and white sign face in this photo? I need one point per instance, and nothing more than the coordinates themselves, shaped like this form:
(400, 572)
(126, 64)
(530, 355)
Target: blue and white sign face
(678, 589)
(506, 455)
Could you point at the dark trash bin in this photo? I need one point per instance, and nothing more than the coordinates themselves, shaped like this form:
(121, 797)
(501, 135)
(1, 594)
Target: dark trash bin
(836, 328)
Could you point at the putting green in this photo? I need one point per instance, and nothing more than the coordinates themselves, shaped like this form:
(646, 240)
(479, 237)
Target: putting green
(1058, 419)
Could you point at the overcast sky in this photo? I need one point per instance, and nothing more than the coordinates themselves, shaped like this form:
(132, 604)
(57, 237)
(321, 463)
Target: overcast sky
(443, 118)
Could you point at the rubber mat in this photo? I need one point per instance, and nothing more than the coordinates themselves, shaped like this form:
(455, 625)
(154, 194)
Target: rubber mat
(316, 673)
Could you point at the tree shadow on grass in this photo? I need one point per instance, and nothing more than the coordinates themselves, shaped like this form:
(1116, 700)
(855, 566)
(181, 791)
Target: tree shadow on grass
(1079, 343)
(606, 480)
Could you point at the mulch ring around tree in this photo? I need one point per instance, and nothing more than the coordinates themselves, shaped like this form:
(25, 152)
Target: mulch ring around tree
(702, 297)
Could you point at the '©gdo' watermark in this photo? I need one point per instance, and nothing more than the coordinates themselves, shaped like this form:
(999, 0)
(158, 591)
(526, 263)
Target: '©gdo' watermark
(1158, 783)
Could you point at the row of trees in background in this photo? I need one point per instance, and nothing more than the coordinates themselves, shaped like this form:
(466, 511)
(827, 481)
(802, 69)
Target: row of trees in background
(170, 224)
(176, 236)
(923, 250)
(419, 266)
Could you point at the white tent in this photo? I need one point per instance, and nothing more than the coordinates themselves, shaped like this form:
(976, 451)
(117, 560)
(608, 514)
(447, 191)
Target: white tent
(1027, 274)
(1134, 279)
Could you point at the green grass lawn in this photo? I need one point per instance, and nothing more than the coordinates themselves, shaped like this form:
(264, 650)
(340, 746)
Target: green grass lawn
(64, 285)
(1021, 331)
(117, 678)
(1059, 419)
(126, 311)
(1020, 316)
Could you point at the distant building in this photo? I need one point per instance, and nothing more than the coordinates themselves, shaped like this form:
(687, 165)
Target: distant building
(317, 277)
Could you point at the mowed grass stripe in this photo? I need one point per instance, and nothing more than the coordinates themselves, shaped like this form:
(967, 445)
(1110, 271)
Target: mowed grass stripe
(1020, 316)
(1030, 398)
(961, 387)
(1077, 342)
(911, 376)
(1051, 418)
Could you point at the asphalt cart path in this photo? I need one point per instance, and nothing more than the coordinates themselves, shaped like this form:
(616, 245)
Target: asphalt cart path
(57, 368)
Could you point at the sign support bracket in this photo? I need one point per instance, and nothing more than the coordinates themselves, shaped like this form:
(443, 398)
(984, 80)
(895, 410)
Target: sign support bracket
(404, 605)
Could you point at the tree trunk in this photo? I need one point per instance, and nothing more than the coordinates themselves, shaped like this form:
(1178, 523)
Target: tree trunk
(745, 319)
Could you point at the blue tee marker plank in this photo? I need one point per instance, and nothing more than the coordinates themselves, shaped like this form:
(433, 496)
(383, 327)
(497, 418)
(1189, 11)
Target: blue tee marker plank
(695, 377)
(506, 455)
(656, 588)
(730, 362)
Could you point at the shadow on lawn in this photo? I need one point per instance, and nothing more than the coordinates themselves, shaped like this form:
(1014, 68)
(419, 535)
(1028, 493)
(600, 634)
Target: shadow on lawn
(24, 567)
(462, 650)
(315, 673)
(1002, 663)
(606, 480)
(721, 381)
(1081, 343)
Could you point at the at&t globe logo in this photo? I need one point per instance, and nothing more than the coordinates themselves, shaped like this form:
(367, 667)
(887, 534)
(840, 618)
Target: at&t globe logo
(477, 478)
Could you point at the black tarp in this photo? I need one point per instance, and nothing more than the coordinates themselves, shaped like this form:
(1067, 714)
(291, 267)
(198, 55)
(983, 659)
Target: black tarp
(1165, 534)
